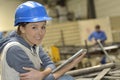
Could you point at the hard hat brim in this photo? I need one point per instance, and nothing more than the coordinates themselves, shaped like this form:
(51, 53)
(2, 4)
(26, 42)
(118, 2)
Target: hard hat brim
(31, 20)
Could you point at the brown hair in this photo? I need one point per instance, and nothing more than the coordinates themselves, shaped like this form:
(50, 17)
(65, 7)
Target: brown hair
(22, 24)
(97, 27)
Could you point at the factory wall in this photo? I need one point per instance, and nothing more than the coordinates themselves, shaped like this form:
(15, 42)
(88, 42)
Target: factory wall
(107, 8)
(62, 34)
(115, 28)
(7, 11)
(79, 7)
(75, 33)
(104, 8)
(69, 33)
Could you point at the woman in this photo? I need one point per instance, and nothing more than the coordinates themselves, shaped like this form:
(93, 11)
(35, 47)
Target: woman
(22, 55)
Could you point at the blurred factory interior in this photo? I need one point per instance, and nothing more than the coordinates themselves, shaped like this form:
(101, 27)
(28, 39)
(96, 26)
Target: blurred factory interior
(72, 23)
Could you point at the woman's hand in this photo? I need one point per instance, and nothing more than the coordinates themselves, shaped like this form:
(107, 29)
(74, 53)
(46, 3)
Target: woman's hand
(77, 60)
(32, 74)
(69, 66)
(74, 62)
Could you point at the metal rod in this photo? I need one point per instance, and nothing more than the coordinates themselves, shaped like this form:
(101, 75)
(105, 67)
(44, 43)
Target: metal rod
(81, 51)
(101, 46)
(90, 69)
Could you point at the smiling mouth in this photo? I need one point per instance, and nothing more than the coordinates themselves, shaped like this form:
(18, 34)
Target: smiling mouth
(38, 38)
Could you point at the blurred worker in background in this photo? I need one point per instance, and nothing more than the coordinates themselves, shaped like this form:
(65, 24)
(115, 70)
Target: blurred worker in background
(98, 34)
(22, 53)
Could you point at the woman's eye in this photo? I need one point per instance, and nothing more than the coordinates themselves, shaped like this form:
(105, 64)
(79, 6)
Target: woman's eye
(33, 27)
(43, 27)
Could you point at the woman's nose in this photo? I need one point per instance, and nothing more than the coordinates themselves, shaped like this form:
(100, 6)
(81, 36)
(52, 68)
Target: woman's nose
(40, 31)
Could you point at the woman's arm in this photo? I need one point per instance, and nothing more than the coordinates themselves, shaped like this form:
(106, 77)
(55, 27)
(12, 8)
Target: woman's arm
(37, 74)
(33, 74)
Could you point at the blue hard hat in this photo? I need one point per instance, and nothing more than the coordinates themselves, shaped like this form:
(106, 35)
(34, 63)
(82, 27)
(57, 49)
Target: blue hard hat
(30, 11)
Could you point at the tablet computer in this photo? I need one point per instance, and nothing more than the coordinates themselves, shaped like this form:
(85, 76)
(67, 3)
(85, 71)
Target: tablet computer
(70, 59)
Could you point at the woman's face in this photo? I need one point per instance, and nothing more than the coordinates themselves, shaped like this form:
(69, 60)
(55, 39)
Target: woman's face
(34, 32)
